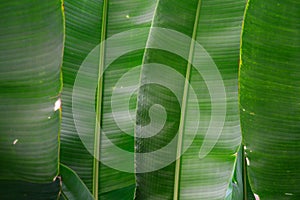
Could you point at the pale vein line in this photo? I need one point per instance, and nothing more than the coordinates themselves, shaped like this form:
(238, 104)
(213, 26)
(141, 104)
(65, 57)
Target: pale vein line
(99, 103)
(184, 106)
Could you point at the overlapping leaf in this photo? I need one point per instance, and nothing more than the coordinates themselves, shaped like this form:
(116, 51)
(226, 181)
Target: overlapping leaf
(216, 26)
(31, 45)
(87, 24)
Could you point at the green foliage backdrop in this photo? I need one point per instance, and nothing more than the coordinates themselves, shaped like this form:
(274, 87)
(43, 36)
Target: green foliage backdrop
(51, 132)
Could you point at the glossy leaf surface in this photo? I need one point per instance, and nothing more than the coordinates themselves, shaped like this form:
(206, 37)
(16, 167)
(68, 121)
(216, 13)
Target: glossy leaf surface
(270, 97)
(205, 169)
(87, 24)
(31, 44)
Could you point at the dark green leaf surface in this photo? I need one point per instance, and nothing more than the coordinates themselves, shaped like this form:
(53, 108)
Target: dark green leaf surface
(270, 97)
(31, 42)
(11, 190)
(216, 26)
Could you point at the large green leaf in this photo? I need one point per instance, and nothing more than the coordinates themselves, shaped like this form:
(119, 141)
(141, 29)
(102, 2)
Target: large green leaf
(31, 44)
(270, 97)
(87, 24)
(205, 169)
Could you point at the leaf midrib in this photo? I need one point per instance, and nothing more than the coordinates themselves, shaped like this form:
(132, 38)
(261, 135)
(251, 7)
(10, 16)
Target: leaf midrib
(184, 106)
(97, 133)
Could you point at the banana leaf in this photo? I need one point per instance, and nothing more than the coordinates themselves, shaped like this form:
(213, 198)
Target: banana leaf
(188, 131)
(88, 117)
(31, 45)
(270, 97)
